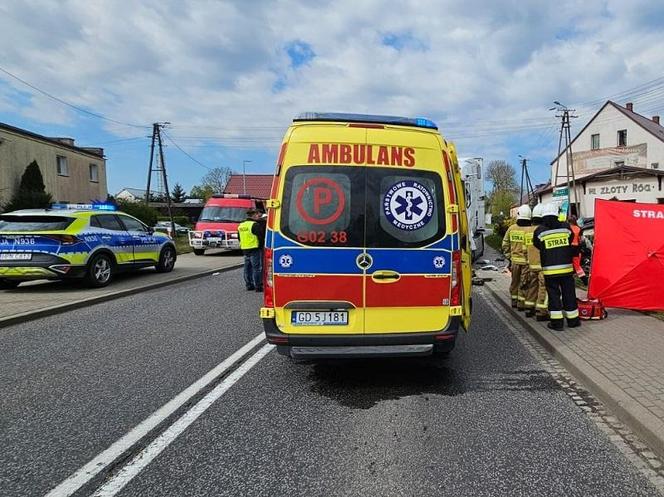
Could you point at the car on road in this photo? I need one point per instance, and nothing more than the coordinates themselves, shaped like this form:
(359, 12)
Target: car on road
(86, 241)
(164, 226)
(367, 250)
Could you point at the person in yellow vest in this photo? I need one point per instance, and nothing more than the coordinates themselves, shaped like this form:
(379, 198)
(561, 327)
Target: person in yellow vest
(252, 238)
(536, 298)
(515, 251)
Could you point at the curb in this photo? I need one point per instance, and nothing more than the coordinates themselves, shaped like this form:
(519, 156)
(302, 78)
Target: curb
(59, 309)
(646, 425)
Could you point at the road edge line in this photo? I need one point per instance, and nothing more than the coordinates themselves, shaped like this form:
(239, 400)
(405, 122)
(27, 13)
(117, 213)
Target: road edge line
(642, 422)
(61, 308)
(74, 482)
(139, 462)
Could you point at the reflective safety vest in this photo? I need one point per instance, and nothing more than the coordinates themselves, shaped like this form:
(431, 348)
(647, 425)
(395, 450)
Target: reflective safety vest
(555, 246)
(248, 240)
(532, 253)
(514, 246)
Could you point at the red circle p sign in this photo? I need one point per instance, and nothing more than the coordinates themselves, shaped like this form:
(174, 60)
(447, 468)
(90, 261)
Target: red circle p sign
(320, 201)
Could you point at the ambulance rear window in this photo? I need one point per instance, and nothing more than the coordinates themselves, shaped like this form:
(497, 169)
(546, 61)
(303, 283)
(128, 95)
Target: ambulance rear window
(9, 223)
(324, 206)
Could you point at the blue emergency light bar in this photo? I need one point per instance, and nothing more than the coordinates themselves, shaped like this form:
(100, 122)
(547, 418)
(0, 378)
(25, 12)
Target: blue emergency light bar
(419, 122)
(101, 206)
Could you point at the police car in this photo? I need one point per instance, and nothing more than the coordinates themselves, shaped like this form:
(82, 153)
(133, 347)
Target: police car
(88, 241)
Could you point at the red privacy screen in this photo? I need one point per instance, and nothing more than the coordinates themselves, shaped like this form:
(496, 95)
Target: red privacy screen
(628, 257)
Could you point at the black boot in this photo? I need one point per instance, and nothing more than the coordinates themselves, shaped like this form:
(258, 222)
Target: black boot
(542, 317)
(556, 325)
(530, 313)
(514, 304)
(573, 323)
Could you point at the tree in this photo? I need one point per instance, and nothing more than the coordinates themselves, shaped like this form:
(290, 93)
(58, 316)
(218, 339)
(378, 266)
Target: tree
(201, 191)
(504, 191)
(217, 178)
(139, 210)
(31, 193)
(178, 194)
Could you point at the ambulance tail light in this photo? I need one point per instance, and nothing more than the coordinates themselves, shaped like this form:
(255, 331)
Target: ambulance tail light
(268, 278)
(455, 294)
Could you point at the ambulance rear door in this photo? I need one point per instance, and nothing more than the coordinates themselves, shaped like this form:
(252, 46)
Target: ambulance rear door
(408, 280)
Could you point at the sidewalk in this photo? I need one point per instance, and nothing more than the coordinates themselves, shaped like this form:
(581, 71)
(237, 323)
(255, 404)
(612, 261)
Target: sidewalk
(40, 298)
(620, 360)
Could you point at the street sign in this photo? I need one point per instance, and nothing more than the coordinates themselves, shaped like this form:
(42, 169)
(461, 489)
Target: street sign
(561, 191)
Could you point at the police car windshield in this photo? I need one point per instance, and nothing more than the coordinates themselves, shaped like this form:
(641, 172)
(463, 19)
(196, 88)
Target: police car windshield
(223, 214)
(9, 223)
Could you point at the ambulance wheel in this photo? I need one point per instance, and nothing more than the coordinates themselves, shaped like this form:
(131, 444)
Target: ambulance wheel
(100, 271)
(199, 251)
(166, 260)
(9, 284)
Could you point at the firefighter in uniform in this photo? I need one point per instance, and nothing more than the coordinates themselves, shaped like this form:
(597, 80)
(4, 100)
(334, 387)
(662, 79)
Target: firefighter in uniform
(554, 241)
(251, 236)
(515, 251)
(536, 299)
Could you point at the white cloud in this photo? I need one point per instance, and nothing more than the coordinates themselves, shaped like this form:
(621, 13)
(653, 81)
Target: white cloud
(224, 64)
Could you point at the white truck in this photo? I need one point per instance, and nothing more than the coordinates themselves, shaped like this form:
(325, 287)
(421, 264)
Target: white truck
(473, 182)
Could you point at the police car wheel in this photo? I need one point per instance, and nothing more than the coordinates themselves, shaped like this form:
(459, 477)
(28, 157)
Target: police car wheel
(9, 284)
(199, 251)
(100, 271)
(166, 260)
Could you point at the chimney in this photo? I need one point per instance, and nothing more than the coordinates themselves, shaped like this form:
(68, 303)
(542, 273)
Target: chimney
(655, 119)
(629, 106)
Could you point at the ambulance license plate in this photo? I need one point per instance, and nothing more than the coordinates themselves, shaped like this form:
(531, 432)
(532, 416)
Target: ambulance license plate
(15, 257)
(319, 318)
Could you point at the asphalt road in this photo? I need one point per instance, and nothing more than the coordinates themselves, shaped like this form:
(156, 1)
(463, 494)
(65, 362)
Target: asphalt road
(487, 421)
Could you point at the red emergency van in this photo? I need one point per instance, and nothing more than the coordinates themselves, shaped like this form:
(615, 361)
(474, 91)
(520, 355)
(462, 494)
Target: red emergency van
(217, 225)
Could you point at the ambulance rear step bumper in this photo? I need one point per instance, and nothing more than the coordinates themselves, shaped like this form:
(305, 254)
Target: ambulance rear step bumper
(359, 352)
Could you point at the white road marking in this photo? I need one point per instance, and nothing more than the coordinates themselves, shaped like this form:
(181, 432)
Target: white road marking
(86, 473)
(147, 455)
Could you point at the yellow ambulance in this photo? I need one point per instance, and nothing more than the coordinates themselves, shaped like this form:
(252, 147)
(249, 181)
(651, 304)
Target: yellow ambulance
(367, 250)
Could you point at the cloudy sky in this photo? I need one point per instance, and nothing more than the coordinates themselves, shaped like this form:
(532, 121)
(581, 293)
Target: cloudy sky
(230, 75)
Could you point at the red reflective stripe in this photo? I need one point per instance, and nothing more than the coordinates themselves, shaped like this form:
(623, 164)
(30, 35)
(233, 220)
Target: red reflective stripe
(318, 287)
(409, 291)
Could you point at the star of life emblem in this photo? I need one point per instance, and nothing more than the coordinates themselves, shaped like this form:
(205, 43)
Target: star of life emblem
(285, 261)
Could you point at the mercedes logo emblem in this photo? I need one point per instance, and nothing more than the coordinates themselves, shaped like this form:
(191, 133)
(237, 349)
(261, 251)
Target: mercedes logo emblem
(364, 261)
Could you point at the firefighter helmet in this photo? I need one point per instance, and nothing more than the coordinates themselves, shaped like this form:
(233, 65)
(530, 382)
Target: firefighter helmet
(550, 209)
(524, 212)
(537, 211)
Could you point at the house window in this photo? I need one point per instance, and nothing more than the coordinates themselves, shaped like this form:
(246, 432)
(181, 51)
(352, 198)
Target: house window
(619, 163)
(594, 141)
(655, 165)
(94, 173)
(63, 168)
(622, 138)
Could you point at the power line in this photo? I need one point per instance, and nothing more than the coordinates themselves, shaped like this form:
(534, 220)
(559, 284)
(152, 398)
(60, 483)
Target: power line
(64, 102)
(185, 153)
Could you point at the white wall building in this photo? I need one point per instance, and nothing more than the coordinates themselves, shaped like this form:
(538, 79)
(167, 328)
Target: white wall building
(618, 155)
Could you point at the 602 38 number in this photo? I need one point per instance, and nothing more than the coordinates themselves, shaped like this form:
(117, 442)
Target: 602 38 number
(320, 237)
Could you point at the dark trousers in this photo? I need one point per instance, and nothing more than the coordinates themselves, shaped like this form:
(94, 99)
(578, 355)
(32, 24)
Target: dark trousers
(253, 269)
(562, 297)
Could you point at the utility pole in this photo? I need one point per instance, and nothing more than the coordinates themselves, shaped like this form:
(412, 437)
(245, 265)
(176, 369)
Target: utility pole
(162, 177)
(565, 114)
(244, 176)
(527, 183)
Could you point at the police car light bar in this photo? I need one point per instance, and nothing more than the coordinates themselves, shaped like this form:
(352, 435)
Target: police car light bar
(419, 122)
(85, 207)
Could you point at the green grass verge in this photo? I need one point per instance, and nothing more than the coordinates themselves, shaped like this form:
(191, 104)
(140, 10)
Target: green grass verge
(494, 241)
(182, 244)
